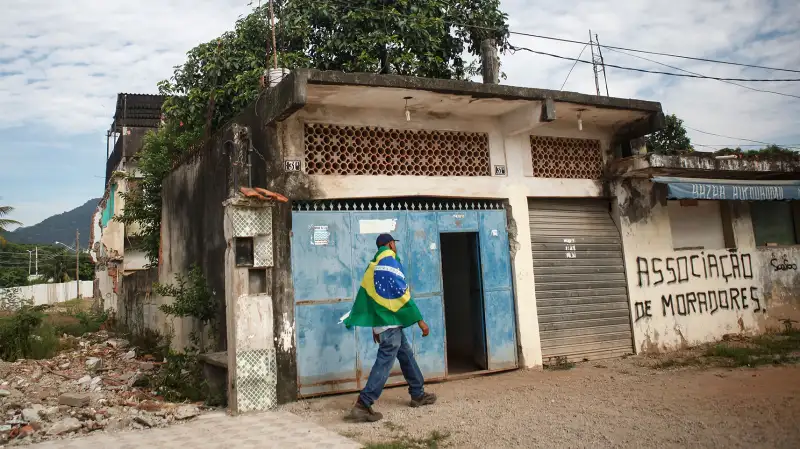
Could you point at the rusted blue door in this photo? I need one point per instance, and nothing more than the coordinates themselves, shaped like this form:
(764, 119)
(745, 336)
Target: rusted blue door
(330, 251)
(322, 271)
(498, 295)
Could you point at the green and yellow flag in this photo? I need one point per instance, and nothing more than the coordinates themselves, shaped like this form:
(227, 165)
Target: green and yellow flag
(384, 298)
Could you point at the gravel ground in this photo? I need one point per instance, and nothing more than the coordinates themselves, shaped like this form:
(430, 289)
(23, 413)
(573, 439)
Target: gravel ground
(615, 403)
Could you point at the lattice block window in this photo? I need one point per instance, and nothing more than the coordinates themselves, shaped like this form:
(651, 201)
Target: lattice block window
(353, 150)
(256, 380)
(251, 221)
(560, 157)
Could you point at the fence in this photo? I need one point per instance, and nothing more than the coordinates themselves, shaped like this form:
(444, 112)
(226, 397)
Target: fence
(52, 293)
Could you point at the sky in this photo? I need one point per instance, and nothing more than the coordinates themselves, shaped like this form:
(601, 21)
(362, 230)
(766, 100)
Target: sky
(62, 64)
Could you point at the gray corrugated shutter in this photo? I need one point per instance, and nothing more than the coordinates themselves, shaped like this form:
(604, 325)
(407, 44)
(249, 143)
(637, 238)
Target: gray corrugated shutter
(581, 292)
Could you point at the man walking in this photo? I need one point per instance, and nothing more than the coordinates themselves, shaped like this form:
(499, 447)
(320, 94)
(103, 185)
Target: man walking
(384, 303)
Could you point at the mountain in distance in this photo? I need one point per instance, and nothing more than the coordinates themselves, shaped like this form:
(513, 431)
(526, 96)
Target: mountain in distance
(58, 228)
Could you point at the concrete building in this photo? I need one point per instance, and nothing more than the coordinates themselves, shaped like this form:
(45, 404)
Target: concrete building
(114, 245)
(493, 190)
(710, 246)
(532, 227)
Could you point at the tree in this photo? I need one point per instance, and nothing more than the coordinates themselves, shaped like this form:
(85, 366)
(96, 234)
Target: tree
(6, 222)
(426, 38)
(671, 139)
(54, 263)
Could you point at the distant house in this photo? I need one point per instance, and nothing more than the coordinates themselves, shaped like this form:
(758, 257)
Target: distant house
(114, 244)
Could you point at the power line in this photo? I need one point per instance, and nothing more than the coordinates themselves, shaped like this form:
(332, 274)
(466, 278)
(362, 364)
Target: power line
(573, 67)
(734, 138)
(571, 41)
(724, 80)
(741, 145)
(612, 47)
(656, 72)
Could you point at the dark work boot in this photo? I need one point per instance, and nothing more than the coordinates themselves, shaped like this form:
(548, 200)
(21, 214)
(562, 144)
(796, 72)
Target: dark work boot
(362, 413)
(425, 399)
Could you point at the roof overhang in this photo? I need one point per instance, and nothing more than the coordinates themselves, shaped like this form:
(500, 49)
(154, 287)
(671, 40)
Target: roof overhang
(729, 189)
(704, 166)
(519, 109)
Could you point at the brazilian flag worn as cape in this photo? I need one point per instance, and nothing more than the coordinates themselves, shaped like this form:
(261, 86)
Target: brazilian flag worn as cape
(384, 298)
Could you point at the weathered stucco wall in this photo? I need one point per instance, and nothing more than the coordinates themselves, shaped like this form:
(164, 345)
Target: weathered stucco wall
(136, 299)
(685, 297)
(251, 134)
(781, 281)
(192, 226)
(43, 294)
(511, 150)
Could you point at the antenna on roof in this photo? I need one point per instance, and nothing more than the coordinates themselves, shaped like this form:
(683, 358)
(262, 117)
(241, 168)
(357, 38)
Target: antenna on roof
(597, 63)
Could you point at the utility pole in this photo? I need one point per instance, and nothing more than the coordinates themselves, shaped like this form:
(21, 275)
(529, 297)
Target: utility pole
(37, 261)
(78, 261)
(490, 67)
(30, 256)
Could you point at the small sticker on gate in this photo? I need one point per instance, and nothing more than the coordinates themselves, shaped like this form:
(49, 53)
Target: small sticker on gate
(320, 236)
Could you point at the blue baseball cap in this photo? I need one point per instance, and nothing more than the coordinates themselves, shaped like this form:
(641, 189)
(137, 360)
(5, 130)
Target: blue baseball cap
(384, 240)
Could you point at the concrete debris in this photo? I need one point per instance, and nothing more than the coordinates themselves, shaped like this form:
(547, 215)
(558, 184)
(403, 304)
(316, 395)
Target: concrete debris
(147, 366)
(32, 414)
(99, 385)
(66, 425)
(118, 343)
(74, 399)
(144, 420)
(26, 431)
(186, 412)
(94, 363)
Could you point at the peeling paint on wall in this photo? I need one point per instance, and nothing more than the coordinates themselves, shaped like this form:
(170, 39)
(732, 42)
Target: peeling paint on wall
(286, 339)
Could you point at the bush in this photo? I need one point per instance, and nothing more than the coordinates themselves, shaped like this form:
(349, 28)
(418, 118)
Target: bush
(11, 299)
(181, 378)
(18, 333)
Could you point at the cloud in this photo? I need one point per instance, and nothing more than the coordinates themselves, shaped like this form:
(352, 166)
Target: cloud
(62, 64)
(751, 32)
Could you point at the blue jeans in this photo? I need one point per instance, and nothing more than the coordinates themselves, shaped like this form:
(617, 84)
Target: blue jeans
(394, 344)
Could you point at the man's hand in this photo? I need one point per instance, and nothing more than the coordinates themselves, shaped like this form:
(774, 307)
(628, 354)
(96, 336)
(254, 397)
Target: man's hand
(376, 338)
(424, 328)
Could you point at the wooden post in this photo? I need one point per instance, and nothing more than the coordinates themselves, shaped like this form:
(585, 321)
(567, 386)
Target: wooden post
(490, 63)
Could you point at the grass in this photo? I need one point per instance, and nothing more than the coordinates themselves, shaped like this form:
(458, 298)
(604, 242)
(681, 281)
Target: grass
(775, 348)
(559, 363)
(33, 332)
(433, 441)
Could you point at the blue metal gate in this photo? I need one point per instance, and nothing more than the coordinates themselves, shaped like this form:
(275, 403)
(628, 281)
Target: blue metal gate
(330, 251)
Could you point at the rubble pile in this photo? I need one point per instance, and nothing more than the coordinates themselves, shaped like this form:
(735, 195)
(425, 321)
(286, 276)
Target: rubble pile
(99, 385)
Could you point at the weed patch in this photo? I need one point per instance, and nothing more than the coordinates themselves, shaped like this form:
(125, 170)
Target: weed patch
(559, 363)
(17, 333)
(769, 349)
(181, 378)
(433, 441)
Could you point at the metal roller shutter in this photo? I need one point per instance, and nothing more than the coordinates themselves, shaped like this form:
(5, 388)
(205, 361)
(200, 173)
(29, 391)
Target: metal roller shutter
(581, 292)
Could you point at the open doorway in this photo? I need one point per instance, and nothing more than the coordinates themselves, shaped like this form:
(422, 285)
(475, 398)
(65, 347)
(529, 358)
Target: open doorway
(463, 303)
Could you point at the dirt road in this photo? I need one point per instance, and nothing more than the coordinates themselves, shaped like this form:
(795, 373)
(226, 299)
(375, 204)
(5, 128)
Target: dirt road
(615, 403)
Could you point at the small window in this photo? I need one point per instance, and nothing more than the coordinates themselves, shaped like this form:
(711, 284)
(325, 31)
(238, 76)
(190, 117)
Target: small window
(696, 225)
(243, 250)
(257, 281)
(773, 223)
